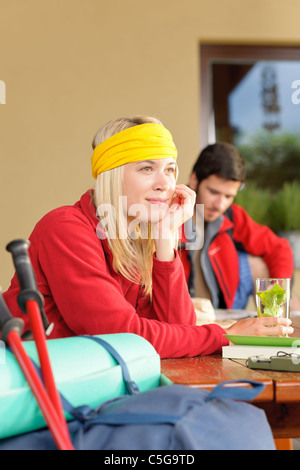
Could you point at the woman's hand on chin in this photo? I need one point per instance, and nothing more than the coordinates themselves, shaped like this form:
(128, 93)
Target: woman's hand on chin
(164, 231)
(180, 210)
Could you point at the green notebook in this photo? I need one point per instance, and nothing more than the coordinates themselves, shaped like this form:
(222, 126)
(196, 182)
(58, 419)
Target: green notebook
(264, 340)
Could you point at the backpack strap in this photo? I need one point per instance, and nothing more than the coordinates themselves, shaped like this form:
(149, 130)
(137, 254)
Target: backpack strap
(229, 214)
(224, 390)
(131, 386)
(85, 412)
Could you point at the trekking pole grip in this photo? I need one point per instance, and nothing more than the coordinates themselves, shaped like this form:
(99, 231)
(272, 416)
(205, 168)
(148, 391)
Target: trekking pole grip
(7, 321)
(26, 277)
(25, 274)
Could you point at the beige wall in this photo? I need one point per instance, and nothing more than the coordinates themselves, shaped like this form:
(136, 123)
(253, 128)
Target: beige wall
(71, 65)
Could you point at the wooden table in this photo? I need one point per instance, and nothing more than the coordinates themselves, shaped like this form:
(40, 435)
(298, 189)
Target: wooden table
(280, 398)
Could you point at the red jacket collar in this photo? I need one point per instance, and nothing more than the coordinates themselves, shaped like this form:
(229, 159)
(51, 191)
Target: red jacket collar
(87, 206)
(226, 225)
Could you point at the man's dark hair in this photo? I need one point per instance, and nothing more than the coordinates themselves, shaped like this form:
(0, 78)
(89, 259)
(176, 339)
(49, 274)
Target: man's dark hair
(221, 159)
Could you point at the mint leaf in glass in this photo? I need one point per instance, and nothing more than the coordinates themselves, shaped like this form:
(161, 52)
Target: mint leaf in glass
(272, 300)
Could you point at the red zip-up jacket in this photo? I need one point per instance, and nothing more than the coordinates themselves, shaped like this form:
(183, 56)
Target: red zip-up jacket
(84, 295)
(240, 231)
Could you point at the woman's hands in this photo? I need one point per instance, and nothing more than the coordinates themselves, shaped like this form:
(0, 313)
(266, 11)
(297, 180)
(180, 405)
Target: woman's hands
(182, 207)
(261, 326)
(180, 210)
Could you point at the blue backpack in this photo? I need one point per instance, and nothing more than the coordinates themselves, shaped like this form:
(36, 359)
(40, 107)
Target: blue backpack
(171, 417)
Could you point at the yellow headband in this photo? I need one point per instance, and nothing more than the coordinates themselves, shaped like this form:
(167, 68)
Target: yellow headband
(149, 141)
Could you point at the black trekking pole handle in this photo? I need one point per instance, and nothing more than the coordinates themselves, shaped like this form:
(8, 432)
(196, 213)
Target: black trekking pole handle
(11, 329)
(7, 321)
(27, 281)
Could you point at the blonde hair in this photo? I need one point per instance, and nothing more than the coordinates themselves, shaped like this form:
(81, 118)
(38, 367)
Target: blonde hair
(132, 257)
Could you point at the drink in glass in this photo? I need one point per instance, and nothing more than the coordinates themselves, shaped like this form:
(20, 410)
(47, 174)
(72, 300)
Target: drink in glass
(273, 297)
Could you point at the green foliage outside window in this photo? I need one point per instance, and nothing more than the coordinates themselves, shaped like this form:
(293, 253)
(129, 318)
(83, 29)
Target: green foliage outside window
(272, 193)
(280, 210)
(272, 159)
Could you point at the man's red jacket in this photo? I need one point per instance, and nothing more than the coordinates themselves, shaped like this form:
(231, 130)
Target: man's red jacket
(220, 255)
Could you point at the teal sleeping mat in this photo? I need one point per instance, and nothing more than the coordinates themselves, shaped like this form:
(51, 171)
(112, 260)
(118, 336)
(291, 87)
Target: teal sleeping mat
(84, 372)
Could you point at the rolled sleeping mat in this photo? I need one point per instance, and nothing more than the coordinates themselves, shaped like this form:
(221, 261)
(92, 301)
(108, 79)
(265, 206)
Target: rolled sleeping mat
(84, 372)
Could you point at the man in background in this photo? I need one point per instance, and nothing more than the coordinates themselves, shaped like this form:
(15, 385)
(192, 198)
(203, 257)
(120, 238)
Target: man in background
(236, 250)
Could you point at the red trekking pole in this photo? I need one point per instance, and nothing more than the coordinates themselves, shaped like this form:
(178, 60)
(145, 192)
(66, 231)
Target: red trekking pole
(11, 330)
(31, 301)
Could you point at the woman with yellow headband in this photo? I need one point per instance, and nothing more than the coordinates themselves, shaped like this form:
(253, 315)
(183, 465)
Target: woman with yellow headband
(109, 263)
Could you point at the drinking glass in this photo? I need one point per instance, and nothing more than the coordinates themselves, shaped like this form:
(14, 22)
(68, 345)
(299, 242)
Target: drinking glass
(273, 297)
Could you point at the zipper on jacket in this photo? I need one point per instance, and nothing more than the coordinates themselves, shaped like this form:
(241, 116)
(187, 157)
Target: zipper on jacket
(222, 278)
